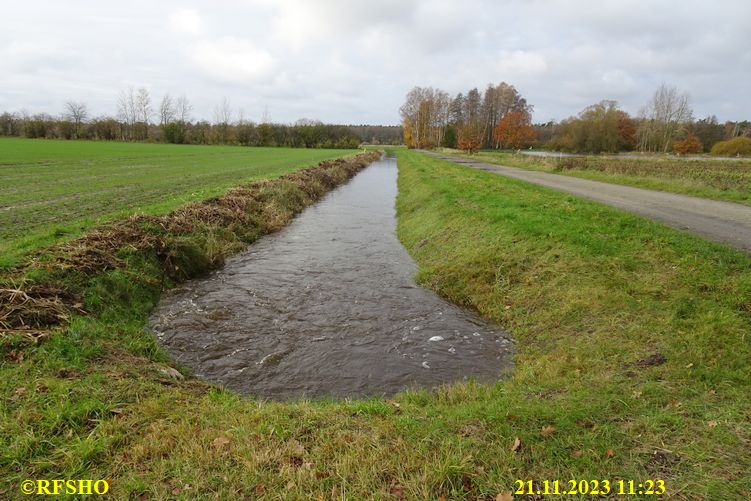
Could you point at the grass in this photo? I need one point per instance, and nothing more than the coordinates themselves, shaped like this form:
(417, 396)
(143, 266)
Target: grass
(728, 180)
(633, 363)
(53, 190)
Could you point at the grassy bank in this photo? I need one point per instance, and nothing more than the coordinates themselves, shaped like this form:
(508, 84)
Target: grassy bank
(728, 180)
(633, 364)
(53, 190)
(633, 337)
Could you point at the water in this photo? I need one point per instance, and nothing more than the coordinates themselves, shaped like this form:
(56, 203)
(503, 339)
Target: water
(328, 307)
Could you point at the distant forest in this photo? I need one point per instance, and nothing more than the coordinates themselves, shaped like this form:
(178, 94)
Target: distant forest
(500, 118)
(138, 119)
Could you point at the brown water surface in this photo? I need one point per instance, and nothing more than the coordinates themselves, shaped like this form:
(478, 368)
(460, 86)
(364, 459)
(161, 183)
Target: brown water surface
(328, 307)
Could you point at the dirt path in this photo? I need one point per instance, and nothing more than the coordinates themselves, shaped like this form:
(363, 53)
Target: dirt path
(722, 221)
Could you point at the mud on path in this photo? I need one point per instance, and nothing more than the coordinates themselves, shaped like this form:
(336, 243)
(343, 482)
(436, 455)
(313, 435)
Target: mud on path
(328, 307)
(724, 222)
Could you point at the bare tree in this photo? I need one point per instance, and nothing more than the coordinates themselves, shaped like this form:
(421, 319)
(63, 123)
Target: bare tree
(223, 113)
(167, 111)
(183, 109)
(77, 112)
(222, 120)
(127, 110)
(126, 106)
(666, 115)
(143, 105)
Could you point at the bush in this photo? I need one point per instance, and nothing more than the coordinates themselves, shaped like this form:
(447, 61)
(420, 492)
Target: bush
(734, 147)
(689, 145)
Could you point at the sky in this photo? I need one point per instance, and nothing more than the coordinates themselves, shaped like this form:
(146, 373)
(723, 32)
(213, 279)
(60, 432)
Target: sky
(354, 61)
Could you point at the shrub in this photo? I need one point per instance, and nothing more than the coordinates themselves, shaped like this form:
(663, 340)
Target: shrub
(733, 147)
(689, 145)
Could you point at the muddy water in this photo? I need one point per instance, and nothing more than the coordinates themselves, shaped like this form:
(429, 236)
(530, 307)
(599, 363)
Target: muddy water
(328, 307)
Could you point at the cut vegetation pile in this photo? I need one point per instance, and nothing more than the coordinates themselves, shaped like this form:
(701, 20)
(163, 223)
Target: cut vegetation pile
(44, 292)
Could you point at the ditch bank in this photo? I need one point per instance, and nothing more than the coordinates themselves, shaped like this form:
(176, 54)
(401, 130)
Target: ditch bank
(155, 252)
(328, 307)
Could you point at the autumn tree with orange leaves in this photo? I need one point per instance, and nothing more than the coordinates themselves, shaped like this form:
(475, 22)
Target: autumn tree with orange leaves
(514, 131)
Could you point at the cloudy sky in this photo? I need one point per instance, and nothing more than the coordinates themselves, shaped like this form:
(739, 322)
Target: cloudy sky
(354, 61)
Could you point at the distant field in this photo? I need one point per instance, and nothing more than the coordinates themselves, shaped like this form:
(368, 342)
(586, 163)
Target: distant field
(728, 180)
(55, 189)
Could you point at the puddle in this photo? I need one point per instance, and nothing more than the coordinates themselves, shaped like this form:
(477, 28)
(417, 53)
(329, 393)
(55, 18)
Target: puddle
(328, 307)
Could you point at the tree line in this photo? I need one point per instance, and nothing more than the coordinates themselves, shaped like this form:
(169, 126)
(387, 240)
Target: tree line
(139, 118)
(500, 118)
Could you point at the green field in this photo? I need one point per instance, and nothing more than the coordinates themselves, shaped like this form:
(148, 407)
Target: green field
(55, 189)
(632, 364)
(728, 180)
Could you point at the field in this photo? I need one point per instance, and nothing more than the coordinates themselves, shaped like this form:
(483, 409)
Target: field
(632, 364)
(728, 180)
(56, 189)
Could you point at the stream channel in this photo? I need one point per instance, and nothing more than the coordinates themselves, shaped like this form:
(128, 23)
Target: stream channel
(328, 307)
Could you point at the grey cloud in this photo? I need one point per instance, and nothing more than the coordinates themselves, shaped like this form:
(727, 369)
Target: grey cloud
(353, 61)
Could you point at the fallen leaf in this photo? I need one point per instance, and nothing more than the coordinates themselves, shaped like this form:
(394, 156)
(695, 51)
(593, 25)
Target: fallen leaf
(585, 424)
(516, 445)
(610, 453)
(504, 496)
(220, 442)
(397, 491)
(712, 424)
(674, 403)
(14, 356)
(442, 497)
(467, 482)
(577, 454)
(20, 390)
(116, 410)
(547, 431)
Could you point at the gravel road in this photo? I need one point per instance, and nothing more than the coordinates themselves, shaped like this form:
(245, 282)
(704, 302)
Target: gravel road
(725, 222)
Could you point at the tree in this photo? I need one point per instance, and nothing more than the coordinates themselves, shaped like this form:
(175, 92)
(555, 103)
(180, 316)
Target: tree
(498, 101)
(690, 144)
(144, 111)
(599, 127)
(167, 112)
(127, 110)
(514, 130)
(183, 109)
(222, 120)
(77, 113)
(664, 117)
(449, 137)
(709, 131)
(470, 136)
